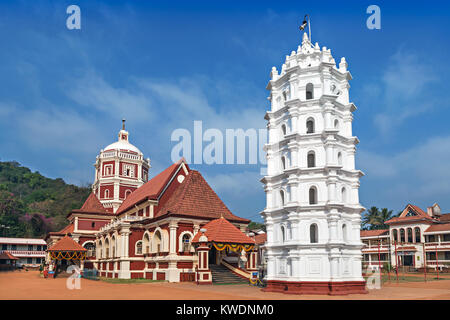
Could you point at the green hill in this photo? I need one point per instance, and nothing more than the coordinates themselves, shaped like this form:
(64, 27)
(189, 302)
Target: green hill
(31, 204)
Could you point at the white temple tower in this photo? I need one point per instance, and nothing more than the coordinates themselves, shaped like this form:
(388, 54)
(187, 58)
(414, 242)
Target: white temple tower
(312, 212)
(120, 169)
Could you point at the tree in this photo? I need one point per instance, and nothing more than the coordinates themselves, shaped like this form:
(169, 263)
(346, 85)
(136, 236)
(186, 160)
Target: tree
(375, 219)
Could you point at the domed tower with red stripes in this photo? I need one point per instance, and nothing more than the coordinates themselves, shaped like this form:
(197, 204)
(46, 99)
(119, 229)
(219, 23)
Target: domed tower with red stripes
(120, 168)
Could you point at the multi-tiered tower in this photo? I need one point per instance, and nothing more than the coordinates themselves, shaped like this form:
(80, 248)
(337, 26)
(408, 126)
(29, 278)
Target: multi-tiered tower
(120, 169)
(312, 212)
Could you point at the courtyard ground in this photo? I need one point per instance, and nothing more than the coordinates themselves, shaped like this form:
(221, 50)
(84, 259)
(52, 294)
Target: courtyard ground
(29, 285)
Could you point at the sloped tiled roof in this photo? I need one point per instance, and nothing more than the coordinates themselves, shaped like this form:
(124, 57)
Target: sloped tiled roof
(421, 215)
(67, 229)
(66, 244)
(261, 238)
(92, 205)
(151, 189)
(445, 217)
(5, 255)
(194, 197)
(373, 233)
(222, 231)
(438, 227)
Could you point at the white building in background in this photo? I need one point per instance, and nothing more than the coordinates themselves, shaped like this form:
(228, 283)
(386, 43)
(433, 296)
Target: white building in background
(30, 252)
(312, 212)
(416, 238)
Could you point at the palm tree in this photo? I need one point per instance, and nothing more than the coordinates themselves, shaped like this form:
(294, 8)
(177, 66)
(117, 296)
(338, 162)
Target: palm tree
(384, 215)
(371, 218)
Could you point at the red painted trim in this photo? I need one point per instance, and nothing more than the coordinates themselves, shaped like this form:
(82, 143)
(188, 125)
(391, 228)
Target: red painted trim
(316, 287)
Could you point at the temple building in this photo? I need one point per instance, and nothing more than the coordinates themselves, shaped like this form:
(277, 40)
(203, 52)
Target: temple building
(173, 227)
(312, 212)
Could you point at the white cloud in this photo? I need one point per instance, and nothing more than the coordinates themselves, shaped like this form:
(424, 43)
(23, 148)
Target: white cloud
(419, 173)
(402, 93)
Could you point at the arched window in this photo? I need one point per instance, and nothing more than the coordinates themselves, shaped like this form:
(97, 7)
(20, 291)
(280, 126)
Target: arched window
(339, 158)
(113, 247)
(336, 124)
(311, 159)
(146, 243)
(283, 234)
(344, 195)
(310, 125)
(282, 197)
(402, 235)
(284, 95)
(395, 235)
(107, 248)
(344, 232)
(157, 243)
(283, 163)
(283, 129)
(313, 233)
(410, 235)
(309, 91)
(106, 194)
(90, 247)
(127, 193)
(186, 242)
(417, 232)
(139, 247)
(312, 195)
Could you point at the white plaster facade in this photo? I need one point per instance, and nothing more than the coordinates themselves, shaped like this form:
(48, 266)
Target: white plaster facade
(310, 87)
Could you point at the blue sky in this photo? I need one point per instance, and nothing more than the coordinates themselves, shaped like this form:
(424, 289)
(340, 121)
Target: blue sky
(162, 65)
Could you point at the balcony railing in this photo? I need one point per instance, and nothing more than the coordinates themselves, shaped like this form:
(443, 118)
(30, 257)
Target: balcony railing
(25, 253)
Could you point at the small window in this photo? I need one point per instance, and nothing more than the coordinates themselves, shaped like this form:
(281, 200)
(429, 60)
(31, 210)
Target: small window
(340, 159)
(402, 235)
(336, 124)
(13, 247)
(282, 197)
(93, 225)
(106, 194)
(410, 235)
(312, 195)
(344, 195)
(30, 247)
(4, 247)
(313, 233)
(283, 234)
(344, 232)
(283, 129)
(309, 91)
(283, 163)
(29, 260)
(127, 193)
(38, 260)
(417, 233)
(186, 243)
(310, 126)
(139, 247)
(311, 159)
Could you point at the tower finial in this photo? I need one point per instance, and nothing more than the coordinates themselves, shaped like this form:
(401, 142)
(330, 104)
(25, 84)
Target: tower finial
(123, 124)
(304, 24)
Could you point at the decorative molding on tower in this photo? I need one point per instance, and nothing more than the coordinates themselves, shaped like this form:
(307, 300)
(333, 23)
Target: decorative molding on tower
(312, 210)
(120, 168)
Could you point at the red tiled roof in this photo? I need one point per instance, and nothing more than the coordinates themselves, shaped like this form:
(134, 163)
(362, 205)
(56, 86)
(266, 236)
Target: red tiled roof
(222, 231)
(438, 227)
(92, 205)
(66, 244)
(373, 233)
(421, 215)
(261, 238)
(5, 255)
(194, 197)
(151, 189)
(445, 217)
(67, 229)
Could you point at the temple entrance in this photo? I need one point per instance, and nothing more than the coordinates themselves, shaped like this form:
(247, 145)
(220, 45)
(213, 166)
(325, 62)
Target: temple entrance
(408, 260)
(213, 256)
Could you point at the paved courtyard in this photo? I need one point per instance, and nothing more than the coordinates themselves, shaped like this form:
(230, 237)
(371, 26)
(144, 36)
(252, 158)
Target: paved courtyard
(29, 285)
